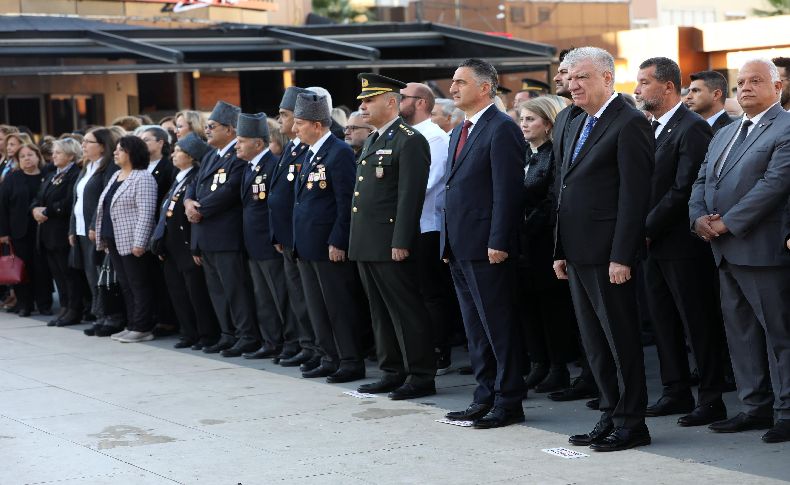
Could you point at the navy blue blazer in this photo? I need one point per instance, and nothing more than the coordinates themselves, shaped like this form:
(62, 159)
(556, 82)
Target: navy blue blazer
(216, 188)
(173, 234)
(483, 189)
(281, 194)
(322, 208)
(255, 208)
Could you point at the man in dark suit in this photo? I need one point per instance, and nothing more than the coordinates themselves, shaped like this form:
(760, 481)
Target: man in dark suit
(679, 268)
(602, 203)
(479, 239)
(737, 203)
(706, 97)
(281, 206)
(275, 319)
(392, 173)
(213, 207)
(322, 212)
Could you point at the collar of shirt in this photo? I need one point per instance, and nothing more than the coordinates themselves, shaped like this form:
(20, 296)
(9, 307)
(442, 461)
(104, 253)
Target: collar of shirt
(715, 117)
(64, 169)
(296, 141)
(92, 166)
(152, 166)
(257, 158)
(476, 117)
(317, 145)
(386, 126)
(182, 174)
(757, 117)
(605, 105)
(662, 122)
(226, 148)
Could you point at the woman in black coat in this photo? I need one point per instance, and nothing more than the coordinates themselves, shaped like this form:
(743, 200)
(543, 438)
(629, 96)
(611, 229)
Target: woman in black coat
(548, 321)
(18, 227)
(52, 211)
(97, 169)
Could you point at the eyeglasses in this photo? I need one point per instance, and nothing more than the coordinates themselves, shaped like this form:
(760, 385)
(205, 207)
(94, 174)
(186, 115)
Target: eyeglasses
(412, 97)
(90, 141)
(354, 127)
(213, 126)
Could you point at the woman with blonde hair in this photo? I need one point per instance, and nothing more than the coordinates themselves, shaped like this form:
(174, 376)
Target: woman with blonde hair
(13, 143)
(550, 328)
(190, 122)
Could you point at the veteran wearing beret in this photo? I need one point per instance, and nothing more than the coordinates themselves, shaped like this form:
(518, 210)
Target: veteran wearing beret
(392, 173)
(213, 207)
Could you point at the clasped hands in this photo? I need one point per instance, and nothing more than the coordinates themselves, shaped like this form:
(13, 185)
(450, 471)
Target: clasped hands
(618, 273)
(191, 208)
(710, 226)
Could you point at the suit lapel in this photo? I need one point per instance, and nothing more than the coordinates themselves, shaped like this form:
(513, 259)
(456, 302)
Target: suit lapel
(572, 134)
(756, 132)
(477, 128)
(671, 125)
(315, 161)
(124, 186)
(610, 113)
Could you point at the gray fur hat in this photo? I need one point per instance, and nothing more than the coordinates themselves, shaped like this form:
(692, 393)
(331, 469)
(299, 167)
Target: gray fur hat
(289, 97)
(225, 113)
(253, 126)
(312, 107)
(193, 146)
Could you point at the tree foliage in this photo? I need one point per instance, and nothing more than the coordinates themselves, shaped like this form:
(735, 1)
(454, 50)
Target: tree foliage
(777, 7)
(341, 11)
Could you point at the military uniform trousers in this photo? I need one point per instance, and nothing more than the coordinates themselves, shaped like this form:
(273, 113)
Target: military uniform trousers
(191, 303)
(276, 321)
(297, 302)
(229, 286)
(401, 324)
(333, 313)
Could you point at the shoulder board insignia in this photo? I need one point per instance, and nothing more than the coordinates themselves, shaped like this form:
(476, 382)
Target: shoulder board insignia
(406, 129)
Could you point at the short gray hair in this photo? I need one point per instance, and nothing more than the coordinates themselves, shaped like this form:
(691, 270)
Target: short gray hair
(772, 69)
(447, 106)
(70, 147)
(603, 61)
(483, 72)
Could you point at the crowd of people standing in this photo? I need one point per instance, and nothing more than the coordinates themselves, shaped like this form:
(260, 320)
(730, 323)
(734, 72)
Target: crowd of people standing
(320, 237)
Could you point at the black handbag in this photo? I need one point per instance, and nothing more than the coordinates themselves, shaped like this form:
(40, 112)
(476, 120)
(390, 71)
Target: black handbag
(109, 294)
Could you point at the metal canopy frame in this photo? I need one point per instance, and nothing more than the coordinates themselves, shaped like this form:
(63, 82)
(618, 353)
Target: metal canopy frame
(143, 49)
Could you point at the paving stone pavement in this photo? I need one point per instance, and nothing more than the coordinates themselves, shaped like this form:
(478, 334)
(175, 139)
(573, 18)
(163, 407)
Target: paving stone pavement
(86, 410)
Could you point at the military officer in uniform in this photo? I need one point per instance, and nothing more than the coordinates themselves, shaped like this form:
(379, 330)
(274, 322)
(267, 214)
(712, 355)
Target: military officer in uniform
(266, 264)
(392, 173)
(281, 204)
(322, 211)
(214, 209)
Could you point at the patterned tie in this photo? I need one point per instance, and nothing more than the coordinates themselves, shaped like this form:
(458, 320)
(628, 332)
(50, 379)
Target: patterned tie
(462, 139)
(583, 137)
(738, 142)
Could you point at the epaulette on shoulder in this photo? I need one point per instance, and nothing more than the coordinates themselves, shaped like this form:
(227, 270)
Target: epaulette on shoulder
(406, 129)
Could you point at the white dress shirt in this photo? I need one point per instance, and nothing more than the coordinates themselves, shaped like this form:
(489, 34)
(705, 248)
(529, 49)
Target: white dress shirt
(475, 118)
(257, 158)
(79, 211)
(317, 145)
(715, 117)
(152, 166)
(662, 122)
(439, 141)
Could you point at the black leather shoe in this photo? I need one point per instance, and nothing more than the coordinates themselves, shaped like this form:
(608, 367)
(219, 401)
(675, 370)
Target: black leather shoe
(240, 348)
(602, 429)
(106, 330)
(580, 389)
(388, 383)
(624, 439)
(183, 343)
(323, 370)
(218, 347)
(557, 379)
(24, 312)
(70, 318)
(779, 433)
(593, 404)
(261, 353)
(91, 331)
(536, 375)
(473, 412)
(346, 375)
(498, 417)
(667, 405)
(60, 315)
(742, 422)
(45, 312)
(198, 346)
(705, 414)
(311, 364)
(298, 359)
(412, 391)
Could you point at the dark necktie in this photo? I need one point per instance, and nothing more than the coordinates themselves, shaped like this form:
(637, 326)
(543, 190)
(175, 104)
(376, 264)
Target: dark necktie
(734, 149)
(462, 139)
(374, 137)
(583, 137)
(655, 124)
(307, 161)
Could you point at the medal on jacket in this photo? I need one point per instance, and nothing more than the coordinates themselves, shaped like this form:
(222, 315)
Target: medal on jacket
(379, 172)
(291, 170)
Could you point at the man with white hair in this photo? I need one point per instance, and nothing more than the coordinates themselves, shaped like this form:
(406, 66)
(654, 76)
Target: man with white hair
(335, 127)
(737, 204)
(442, 114)
(603, 197)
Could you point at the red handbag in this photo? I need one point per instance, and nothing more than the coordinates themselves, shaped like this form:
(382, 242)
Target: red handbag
(12, 268)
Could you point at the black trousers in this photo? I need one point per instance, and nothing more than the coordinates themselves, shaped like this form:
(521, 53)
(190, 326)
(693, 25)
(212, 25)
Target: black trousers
(297, 302)
(486, 294)
(682, 303)
(135, 278)
(436, 288)
(230, 289)
(609, 326)
(191, 303)
(164, 313)
(69, 281)
(401, 325)
(755, 302)
(333, 312)
(38, 288)
(276, 321)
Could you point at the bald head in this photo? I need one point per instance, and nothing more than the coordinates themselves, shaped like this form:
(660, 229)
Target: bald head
(417, 102)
